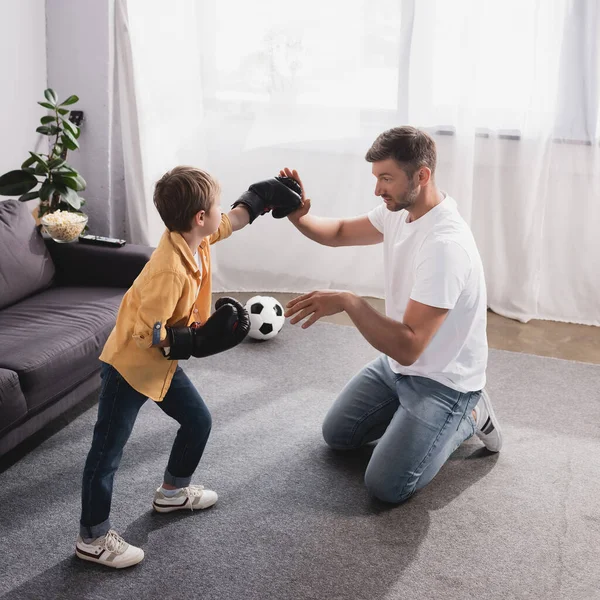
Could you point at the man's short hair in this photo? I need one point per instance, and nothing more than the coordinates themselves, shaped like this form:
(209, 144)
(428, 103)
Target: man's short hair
(182, 193)
(409, 146)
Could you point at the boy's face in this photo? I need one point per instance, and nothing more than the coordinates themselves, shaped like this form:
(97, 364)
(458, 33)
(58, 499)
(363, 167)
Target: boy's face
(212, 218)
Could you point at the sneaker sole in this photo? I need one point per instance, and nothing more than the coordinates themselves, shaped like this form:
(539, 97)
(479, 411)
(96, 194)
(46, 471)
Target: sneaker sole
(92, 559)
(185, 506)
(492, 416)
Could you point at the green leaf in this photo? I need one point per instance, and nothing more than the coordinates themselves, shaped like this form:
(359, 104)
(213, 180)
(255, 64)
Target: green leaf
(68, 182)
(30, 161)
(64, 111)
(47, 189)
(68, 139)
(70, 100)
(47, 119)
(57, 150)
(55, 163)
(50, 95)
(28, 170)
(71, 180)
(47, 105)
(41, 166)
(81, 183)
(16, 183)
(67, 171)
(38, 158)
(71, 197)
(71, 127)
(48, 130)
(29, 196)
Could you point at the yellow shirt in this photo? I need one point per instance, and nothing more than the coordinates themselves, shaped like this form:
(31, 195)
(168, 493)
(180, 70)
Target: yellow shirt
(170, 291)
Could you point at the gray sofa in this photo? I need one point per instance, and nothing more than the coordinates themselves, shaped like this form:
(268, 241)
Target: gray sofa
(58, 304)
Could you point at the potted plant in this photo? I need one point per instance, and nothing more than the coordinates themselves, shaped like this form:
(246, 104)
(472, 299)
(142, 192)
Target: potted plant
(59, 183)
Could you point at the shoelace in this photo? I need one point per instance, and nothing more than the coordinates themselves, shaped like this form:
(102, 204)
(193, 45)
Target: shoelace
(113, 542)
(193, 491)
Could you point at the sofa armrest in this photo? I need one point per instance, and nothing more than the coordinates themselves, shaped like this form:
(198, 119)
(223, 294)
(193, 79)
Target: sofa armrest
(97, 266)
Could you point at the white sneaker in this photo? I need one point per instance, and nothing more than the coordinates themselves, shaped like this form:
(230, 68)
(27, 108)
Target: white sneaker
(488, 428)
(110, 550)
(194, 497)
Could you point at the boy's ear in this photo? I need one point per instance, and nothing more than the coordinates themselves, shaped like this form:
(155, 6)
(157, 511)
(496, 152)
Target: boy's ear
(199, 217)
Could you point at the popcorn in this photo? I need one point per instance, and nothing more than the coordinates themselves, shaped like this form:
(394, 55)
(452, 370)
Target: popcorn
(64, 226)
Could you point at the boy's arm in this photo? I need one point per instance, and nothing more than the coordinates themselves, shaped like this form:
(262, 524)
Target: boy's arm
(239, 217)
(163, 344)
(234, 220)
(159, 297)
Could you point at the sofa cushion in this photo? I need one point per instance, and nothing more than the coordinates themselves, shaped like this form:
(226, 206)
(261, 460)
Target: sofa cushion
(25, 263)
(12, 401)
(53, 339)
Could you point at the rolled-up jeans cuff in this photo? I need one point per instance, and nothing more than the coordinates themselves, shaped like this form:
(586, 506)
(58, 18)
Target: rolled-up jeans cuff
(178, 482)
(94, 531)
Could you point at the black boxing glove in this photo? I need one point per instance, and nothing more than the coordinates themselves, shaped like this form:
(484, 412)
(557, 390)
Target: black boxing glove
(225, 328)
(283, 195)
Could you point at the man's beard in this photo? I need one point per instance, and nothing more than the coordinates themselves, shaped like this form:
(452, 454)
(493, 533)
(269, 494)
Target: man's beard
(405, 201)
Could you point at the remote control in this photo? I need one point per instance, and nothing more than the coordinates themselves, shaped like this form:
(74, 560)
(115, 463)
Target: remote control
(101, 241)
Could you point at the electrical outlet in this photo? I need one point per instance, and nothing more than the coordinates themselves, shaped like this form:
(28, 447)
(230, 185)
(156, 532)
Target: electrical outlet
(76, 117)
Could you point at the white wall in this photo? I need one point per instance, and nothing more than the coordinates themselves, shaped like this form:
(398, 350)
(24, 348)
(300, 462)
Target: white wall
(80, 47)
(22, 79)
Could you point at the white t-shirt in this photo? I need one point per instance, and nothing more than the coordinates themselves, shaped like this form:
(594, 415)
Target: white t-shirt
(434, 260)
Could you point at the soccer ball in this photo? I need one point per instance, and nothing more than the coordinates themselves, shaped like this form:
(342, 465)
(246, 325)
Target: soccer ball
(266, 317)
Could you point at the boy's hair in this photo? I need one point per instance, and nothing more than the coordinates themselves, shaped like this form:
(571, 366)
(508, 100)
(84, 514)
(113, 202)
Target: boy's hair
(408, 146)
(183, 192)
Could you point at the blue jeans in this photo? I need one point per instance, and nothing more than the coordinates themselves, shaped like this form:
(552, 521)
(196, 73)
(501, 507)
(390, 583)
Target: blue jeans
(418, 422)
(117, 411)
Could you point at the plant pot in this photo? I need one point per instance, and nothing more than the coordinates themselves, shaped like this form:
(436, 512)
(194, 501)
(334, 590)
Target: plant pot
(64, 226)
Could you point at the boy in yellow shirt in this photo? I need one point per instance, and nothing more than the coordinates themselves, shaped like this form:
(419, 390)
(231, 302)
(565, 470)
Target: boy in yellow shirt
(165, 317)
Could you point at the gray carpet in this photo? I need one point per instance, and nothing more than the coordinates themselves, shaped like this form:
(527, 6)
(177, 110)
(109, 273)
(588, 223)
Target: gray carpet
(294, 520)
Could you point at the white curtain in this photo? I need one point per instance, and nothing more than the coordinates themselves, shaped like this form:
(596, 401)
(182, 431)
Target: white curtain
(509, 88)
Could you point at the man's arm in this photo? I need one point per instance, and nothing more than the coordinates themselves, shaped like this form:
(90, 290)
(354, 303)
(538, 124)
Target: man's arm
(404, 342)
(358, 231)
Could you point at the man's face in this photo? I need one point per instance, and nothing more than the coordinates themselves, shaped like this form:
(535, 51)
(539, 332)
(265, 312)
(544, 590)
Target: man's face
(394, 186)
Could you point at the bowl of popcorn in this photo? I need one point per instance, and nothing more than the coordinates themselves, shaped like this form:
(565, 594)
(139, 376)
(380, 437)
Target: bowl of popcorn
(64, 226)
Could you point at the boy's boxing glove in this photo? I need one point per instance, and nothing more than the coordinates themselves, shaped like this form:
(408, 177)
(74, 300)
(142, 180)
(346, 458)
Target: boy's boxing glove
(224, 329)
(283, 195)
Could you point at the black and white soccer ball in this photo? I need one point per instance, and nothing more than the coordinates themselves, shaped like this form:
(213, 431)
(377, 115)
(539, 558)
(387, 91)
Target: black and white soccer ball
(266, 317)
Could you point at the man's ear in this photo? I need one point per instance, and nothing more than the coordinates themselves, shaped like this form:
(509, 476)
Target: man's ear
(424, 176)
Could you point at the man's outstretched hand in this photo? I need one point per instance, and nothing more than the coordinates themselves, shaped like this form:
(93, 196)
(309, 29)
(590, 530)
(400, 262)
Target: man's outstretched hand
(281, 195)
(295, 216)
(315, 305)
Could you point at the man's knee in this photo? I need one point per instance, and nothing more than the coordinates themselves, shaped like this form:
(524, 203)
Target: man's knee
(392, 489)
(334, 435)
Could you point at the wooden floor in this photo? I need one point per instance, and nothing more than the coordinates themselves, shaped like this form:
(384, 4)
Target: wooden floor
(544, 338)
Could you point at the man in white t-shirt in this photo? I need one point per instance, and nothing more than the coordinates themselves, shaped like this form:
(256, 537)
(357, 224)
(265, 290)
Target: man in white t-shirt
(425, 394)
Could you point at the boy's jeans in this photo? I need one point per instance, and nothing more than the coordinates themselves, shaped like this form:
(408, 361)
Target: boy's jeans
(420, 423)
(117, 411)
